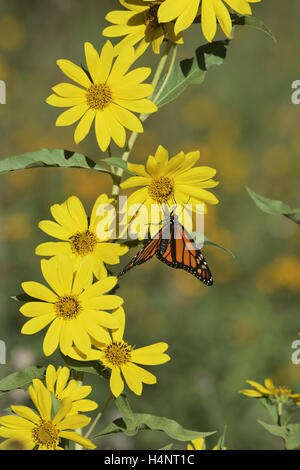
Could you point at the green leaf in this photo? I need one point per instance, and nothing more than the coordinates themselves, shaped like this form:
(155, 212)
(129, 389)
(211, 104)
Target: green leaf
(21, 379)
(279, 431)
(271, 408)
(169, 426)
(293, 438)
(221, 441)
(155, 423)
(274, 207)
(167, 447)
(192, 71)
(118, 162)
(252, 22)
(46, 158)
(123, 406)
(208, 242)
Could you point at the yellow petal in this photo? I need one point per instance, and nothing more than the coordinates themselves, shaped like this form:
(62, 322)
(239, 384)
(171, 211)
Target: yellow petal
(99, 288)
(77, 213)
(36, 324)
(116, 382)
(35, 309)
(106, 59)
(208, 20)
(50, 377)
(126, 118)
(52, 336)
(103, 134)
(53, 248)
(84, 125)
(223, 17)
(54, 230)
(74, 72)
(75, 437)
(92, 61)
(26, 413)
(62, 379)
(72, 115)
(61, 102)
(187, 16)
(67, 90)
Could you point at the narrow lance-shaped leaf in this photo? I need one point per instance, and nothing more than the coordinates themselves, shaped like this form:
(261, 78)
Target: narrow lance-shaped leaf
(252, 22)
(274, 207)
(57, 158)
(21, 379)
(123, 406)
(155, 423)
(276, 430)
(292, 440)
(118, 162)
(192, 71)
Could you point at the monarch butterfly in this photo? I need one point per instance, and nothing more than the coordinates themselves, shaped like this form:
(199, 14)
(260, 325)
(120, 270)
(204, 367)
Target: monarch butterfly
(174, 246)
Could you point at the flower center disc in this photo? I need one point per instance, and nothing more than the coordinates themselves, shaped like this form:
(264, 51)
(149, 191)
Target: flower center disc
(151, 16)
(45, 434)
(99, 96)
(67, 308)
(161, 189)
(83, 243)
(282, 391)
(117, 353)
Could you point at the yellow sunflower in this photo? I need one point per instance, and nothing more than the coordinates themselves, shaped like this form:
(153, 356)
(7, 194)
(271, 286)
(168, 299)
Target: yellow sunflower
(185, 11)
(107, 94)
(58, 383)
(42, 431)
(171, 182)
(79, 237)
(139, 24)
(74, 308)
(269, 390)
(122, 358)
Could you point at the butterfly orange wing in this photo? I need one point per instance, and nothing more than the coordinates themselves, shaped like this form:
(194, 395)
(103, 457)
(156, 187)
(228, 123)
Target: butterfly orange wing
(181, 252)
(148, 251)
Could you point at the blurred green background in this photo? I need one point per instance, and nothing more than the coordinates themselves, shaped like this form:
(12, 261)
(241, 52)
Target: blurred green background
(245, 126)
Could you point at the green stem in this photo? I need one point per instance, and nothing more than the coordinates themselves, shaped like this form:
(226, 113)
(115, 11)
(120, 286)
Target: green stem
(279, 413)
(131, 141)
(79, 377)
(173, 59)
(91, 428)
(109, 156)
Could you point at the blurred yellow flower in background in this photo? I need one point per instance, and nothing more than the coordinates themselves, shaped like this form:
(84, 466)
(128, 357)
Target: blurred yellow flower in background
(122, 358)
(79, 236)
(12, 33)
(269, 390)
(43, 430)
(58, 383)
(283, 272)
(139, 23)
(74, 308)
(185, 11)
(16, 226)
(107, 94)
(171, 182)
(199, 444)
